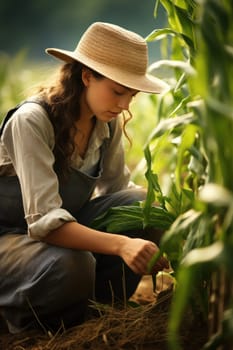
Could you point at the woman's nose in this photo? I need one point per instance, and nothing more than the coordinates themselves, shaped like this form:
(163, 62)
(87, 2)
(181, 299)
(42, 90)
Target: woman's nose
(124, 102)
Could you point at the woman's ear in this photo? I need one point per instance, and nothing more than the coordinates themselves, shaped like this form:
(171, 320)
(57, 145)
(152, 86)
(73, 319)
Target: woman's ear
(86, 76)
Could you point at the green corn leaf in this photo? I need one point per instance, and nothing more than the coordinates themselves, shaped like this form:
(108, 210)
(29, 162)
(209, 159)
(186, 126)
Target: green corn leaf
(171, 123)
(159, 34)
(187, 140)
(153, 184)
(179, 304)
(229, 50)
(127, 218)
(209, 257)
(220, 108)
(175, 64)
(173, 240)
(156, 8)
(153, 261)
(217, 195)
(179, 18)
(210, 254)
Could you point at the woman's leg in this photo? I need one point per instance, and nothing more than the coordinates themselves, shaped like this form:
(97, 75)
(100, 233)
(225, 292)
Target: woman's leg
(100, 205)
(115, 281)
(44, 281)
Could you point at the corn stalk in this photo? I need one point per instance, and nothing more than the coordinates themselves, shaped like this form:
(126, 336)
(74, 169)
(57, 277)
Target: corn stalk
(194, 136)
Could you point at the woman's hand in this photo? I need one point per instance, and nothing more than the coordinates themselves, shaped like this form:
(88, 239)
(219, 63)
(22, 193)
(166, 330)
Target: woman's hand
(137, 253)
(161, 264)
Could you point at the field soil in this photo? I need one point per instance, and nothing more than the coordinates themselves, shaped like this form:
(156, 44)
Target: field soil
(142, 326)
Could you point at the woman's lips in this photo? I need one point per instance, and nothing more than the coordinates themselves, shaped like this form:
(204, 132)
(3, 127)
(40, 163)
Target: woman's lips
(114, 114)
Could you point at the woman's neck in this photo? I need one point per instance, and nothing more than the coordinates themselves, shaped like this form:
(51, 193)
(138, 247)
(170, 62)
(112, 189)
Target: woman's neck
(86, 113)
(83, 134)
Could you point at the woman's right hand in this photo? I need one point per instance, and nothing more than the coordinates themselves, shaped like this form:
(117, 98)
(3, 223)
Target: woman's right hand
(135, 252)
(138, 252)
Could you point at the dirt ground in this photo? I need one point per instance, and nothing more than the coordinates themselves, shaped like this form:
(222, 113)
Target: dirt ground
(140, 328)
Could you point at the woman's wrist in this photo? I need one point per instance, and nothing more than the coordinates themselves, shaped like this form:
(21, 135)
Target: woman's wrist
(118, 243)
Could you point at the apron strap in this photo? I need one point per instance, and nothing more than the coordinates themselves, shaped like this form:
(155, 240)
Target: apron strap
(14, 109)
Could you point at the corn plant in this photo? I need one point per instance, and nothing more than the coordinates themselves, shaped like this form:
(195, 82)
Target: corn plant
(198, 121)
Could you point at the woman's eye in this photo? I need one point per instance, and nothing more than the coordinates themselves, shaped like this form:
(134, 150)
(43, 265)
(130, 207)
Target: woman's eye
(118, 93)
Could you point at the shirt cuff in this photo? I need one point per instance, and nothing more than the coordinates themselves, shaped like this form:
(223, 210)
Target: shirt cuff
(39, 226)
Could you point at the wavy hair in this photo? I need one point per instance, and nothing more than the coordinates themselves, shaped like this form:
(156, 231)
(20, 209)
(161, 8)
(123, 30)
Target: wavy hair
(62, 98)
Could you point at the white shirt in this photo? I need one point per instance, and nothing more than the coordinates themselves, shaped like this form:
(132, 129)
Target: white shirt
(26, 150)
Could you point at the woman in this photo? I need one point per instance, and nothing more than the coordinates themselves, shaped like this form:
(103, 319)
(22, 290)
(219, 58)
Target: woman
(56, 151)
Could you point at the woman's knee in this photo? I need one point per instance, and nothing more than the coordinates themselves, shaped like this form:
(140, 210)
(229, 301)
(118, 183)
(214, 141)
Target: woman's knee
(131, 195)
(54, 280)
(100, 205)
(75, 273)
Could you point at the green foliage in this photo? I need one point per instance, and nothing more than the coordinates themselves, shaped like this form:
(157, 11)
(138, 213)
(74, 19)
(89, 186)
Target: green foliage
(127, 218)
(10, 84)
(195, 134)
(18, 79)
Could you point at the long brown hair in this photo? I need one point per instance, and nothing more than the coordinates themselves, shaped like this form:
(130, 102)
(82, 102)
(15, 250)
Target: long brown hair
(63, 100)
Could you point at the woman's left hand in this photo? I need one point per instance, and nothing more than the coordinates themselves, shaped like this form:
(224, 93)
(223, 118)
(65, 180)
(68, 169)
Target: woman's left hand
(160, 265)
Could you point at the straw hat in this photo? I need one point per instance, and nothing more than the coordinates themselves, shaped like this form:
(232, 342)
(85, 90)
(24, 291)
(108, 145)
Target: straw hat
(117, 54)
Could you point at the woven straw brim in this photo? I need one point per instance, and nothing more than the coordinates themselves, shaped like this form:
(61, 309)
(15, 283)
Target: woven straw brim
(141, 82)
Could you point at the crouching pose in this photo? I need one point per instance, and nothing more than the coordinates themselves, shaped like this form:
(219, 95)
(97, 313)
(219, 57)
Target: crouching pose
(58, 149)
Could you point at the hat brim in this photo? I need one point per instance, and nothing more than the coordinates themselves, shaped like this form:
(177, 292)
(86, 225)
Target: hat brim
(145, 83)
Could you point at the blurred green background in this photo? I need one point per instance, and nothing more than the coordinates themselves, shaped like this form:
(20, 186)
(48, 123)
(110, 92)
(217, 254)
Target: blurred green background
(35, 25)
(27, 28)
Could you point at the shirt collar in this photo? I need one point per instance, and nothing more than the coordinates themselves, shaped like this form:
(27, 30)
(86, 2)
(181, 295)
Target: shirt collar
(100, 132)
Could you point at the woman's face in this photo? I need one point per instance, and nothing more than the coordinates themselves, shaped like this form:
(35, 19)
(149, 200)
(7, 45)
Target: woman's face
(105, 98)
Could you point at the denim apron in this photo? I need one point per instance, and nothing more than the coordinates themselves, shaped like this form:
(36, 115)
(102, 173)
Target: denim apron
(54, 282)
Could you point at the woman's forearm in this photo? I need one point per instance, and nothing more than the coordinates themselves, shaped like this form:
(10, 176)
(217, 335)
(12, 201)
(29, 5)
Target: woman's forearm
(76, 236)
(135, 252)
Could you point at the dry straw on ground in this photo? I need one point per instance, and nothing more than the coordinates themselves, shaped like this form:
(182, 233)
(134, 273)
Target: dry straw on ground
(132, 327)
(115, 329)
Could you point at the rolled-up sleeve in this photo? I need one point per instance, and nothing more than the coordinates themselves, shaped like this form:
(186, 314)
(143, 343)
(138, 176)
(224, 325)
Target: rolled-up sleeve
(29, 141)
(116, 175)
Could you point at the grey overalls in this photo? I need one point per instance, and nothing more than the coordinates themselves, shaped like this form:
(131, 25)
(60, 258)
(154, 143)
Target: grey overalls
(51, 282)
